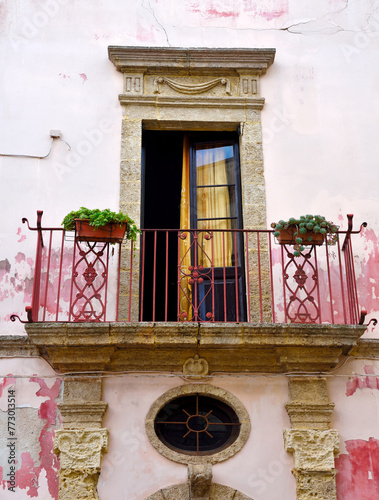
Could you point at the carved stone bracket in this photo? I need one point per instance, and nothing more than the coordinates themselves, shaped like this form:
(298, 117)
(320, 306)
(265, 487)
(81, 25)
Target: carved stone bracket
(81, 448)
(191, 88)
(313, 450)
(80, 452)
(314, 462)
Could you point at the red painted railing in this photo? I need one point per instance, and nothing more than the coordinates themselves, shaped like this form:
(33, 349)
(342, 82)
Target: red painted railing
(193, 275)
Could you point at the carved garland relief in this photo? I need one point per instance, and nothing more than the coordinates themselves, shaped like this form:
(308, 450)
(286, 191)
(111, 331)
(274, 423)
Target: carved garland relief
(191, 89)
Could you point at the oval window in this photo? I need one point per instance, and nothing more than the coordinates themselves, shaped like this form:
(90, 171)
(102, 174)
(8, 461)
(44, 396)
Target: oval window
(197, 425)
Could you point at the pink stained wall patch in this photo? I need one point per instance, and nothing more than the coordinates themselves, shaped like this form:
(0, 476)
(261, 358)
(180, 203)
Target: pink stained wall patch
(369, 382)
(358, 471)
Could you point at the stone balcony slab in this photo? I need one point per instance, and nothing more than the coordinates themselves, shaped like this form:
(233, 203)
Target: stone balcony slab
(227, 347)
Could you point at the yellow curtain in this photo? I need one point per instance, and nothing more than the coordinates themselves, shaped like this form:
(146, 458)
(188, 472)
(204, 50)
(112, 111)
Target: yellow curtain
(185, 291)
(213, 203)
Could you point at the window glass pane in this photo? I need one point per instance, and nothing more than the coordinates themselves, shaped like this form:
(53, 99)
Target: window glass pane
(215, 167)
(216, 200)
(219, 244)
(214, 164)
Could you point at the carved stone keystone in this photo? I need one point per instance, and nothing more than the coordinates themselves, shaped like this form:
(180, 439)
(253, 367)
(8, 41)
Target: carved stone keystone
(200, 480)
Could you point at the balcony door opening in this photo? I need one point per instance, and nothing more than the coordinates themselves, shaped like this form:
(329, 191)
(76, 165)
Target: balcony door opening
(191, 181)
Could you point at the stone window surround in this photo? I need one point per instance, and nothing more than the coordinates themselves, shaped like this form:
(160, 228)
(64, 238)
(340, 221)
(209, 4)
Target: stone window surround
(191, 89)
(206, 390)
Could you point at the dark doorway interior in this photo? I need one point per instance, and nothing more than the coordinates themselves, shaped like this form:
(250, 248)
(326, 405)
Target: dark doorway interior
(162, 159)
(162, 176)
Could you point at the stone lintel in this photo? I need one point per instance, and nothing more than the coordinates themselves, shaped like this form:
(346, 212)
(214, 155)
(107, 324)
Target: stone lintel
(174, 59)
(191, 125)
(193, 102)
(227, 347)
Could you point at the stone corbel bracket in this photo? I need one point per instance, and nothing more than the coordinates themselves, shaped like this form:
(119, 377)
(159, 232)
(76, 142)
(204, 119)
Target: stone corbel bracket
(80, 452)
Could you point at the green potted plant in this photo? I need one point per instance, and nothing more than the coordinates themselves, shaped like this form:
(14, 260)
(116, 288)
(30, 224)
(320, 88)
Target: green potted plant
(100, 225)
(306, 230)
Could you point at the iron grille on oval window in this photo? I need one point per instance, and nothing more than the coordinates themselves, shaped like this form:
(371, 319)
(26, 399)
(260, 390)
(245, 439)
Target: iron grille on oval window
(197, 425)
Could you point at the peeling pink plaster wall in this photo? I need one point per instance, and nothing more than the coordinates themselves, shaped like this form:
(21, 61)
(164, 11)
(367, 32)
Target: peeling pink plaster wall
(37, 477)
(268, 9)
(27, 477)
(355, 392)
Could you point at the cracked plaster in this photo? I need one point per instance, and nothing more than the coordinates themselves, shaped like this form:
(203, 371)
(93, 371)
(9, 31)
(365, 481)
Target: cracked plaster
(327, 18)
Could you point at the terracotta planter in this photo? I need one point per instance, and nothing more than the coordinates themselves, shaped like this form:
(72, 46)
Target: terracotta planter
(287, 237)
(111, 233)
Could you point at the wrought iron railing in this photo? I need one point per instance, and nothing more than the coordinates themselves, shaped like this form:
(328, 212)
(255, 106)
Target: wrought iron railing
(193, 275)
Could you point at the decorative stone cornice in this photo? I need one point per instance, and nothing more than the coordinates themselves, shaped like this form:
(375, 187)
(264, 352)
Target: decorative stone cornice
(308, 415)
(235, 348)
(170, 59)
(366, 348)
(16, 345)
(82, 414)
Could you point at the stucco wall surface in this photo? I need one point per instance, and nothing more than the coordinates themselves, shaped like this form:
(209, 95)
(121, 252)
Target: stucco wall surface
(261, 469)
(319, 120)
